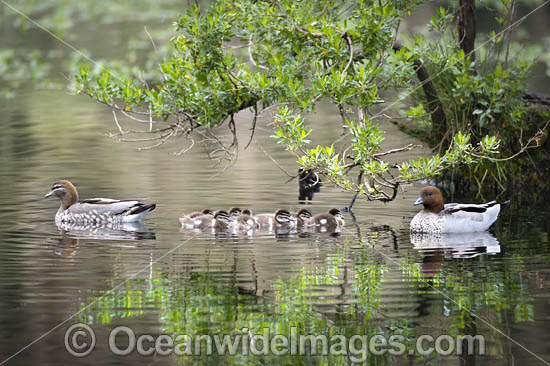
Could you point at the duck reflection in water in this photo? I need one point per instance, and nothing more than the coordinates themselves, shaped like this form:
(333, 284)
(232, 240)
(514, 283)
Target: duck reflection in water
(437, 248)
(107, 231)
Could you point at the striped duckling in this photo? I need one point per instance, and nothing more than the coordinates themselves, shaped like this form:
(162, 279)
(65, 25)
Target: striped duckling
(285, 219)
(223, 221)
(281, 218)
(95, 210)
(437, 217)
(198, 219)
(303, 217)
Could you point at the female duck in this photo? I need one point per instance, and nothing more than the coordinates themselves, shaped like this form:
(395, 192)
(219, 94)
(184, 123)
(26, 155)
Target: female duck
(438, 218)
(95, 210)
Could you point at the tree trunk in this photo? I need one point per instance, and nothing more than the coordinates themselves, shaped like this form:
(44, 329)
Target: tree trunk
(467, 27)
(437, 114)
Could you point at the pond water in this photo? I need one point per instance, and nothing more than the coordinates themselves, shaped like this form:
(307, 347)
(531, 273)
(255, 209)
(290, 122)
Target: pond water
(370, 280)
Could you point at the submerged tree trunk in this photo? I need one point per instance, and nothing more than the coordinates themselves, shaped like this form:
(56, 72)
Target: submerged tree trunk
(466, 24)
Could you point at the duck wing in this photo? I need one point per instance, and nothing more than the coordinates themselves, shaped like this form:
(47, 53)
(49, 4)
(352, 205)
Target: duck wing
(111, 207)
(462, 218)
(452, 208)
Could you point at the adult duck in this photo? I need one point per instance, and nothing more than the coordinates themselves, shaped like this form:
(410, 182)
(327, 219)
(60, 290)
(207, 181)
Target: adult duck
(95, 210)
(437, 217)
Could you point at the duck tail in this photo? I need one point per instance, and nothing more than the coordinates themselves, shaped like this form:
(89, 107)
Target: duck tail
(142, 208)
(504, 204)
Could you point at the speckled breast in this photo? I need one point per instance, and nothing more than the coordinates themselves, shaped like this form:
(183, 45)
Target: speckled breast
(427, 222)
(91, 217)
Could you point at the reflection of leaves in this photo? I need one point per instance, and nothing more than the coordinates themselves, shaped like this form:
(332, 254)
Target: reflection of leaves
(346, 292)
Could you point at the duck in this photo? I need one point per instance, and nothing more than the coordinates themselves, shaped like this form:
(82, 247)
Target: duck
(198, 219)
(95, 210)
(223, 221)
(270, 221)
(438, 218)
(235, 211)
(327, 221)
(303, 217)
(285, 219)
(205, 211)
(245, 221)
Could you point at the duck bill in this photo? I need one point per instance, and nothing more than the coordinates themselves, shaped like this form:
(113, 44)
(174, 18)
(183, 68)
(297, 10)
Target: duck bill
(418, 201)
(49, 194)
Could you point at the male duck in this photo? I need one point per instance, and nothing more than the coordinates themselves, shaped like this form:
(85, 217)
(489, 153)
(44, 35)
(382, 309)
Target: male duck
(95, 210)
(438, 218)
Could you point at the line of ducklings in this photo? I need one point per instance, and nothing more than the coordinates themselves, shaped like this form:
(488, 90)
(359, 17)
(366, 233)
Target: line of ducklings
(237, 219)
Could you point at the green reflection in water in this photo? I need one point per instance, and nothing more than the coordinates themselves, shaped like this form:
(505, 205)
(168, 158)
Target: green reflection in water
(348, 293)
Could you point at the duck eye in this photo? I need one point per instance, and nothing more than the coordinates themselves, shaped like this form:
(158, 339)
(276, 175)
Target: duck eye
(429, 194)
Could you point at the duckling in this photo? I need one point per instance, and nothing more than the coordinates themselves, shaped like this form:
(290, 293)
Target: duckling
(245, 221)
(95, 210)
(330, 221)
(283, 218)
(222, 220)
(198, 219)
(205, 211)
(303, 217)
(235, 211)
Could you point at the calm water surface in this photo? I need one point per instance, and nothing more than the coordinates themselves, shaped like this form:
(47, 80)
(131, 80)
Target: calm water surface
(372, 279)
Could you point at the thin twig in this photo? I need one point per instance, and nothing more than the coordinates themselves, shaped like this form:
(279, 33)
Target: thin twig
(276, 163)
(253, 128)
(151, 38)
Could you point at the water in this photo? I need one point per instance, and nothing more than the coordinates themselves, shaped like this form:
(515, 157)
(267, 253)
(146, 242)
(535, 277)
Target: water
(372, 279)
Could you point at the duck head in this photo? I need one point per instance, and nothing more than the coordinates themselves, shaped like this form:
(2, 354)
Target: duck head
(338, 216)
(235, 211)
(285, 218)
(65, 191)
(431, 198)
(304, 214)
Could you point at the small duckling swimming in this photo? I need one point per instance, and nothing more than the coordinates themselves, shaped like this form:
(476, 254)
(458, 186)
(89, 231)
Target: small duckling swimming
(223, 221)
(245, 221)
(329, 221)
(197, 219)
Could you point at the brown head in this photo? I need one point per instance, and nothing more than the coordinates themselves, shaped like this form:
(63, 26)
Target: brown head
(431, 198)
(65, 191)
